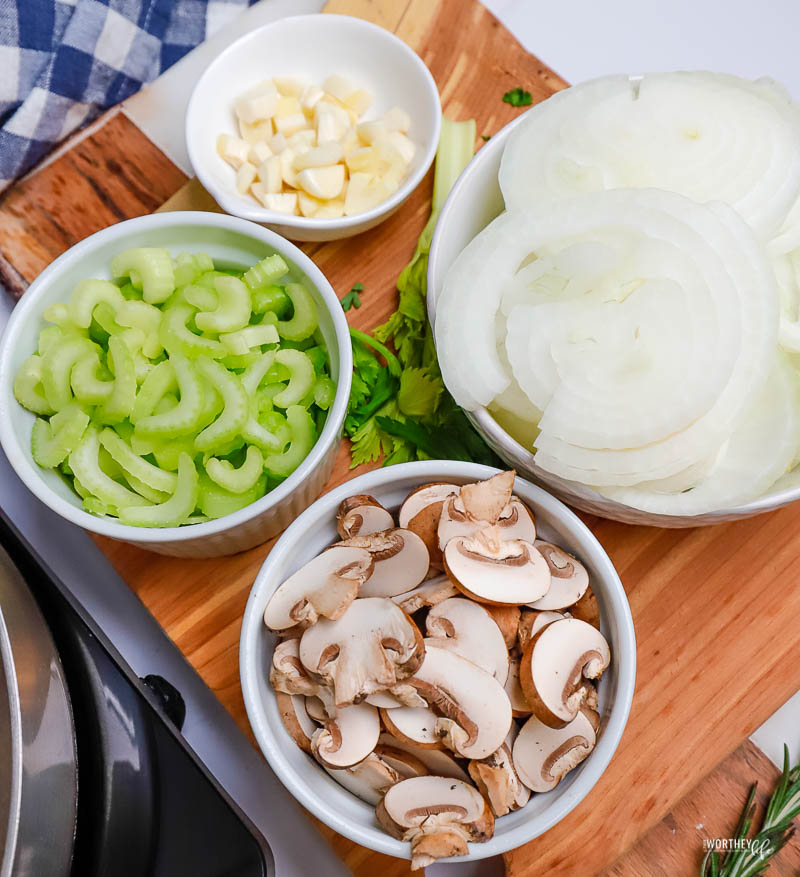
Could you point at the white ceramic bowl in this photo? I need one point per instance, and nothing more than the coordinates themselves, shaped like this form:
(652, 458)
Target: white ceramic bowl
(474, 202)
(315, 529)
(314, 46)
(229, 241)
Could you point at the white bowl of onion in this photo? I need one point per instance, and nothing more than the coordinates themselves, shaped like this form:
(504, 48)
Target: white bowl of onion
(669, 393)
(345, 809)
(317, 126)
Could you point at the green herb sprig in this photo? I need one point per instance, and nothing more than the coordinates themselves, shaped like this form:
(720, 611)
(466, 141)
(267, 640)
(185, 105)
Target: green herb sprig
(518, 97)
(775, 831)
(353, 298)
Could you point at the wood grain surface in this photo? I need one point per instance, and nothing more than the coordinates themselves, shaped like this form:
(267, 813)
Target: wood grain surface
(715, 609)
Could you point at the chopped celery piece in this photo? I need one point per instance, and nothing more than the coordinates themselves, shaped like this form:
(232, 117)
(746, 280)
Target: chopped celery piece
(267, 271)
(233, 307)
(176, 337)
(57, 365)
(239, 361)
(160, 381)
(271, 299)
(149, 269)
(243, 340)
(156, 496)
(188, 267)
(133, 464)
(301, 377)
(84, 462)
(90, 380)
(201, 298)
(119, 404)
(168, 453)
(234, 415)
(28, 389)
(254, 374)
(87, 295)
(52, 442)
(324, 393)
(223, 473)
(47, 337)
(214, 501)
(319, 356)
(96, 507)
(302, 426)
(185, 416)
(304, 319)
(174, 511)
(58, 313)
(147, 318)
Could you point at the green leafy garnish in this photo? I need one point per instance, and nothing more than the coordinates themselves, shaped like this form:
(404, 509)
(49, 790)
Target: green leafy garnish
(352, 299)
(518, 97)
(775, 832)
(401, 410)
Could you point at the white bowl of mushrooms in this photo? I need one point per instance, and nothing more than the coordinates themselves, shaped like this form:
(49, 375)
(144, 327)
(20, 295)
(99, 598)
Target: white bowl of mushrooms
(392, 667)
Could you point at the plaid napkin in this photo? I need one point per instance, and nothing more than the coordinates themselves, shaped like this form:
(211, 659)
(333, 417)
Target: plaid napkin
(62, 62)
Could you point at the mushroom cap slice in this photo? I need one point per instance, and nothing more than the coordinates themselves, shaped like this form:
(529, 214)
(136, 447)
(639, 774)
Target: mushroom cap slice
(421, 511)
(531, 621)
(348, 736)
(514, 522)
(368, 780)
(325, 586)
(404, 763)
(429, 593)
(493, 571)
(437, 761)
(473, 711)
(401, 561)
(287, 673)
(507, 619)
(397, 696)
(543, 755)
(587, 609)
(498, 781)
(361, 515)
(519, 704)
(467, 629)
(485, 500)
(438, 815)
(299, 725)
(370, 648)
(556, 665)
(413, 725)
(568, 578)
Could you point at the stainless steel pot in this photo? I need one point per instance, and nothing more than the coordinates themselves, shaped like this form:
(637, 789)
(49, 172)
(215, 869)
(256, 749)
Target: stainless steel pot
(38, 773)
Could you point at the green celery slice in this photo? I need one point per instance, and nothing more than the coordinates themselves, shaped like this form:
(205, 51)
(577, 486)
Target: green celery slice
(223, 473)
(87, 295)
(87, 380)
(243, 340)
(201, 297)
(119, 404)
(236, 406)
(52, 442)
(156, 496)
(168, 453)
(172, 512)
(233, 307)
(147, 319)
(239, 361)
(149, 269)
(215, 502)
(84, 462)
(254, 374)
(52, 335)
(324, 392)
(304, 320)
(186, 415)
(57, 365)
(28, 389)
(176, 337)
(265, 272)
(301, 377)
(58, 313)
(270, 299)
(133, 464)
(302, 426)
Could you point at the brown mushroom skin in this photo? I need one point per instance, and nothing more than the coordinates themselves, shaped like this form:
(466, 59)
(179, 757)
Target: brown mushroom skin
(290, 721)
(391, 728)
(349, 522)
(507, 619)
(586, 609)
(485, 500)
(426, 521)
(531, 621)
(520, 708)
(287, 674)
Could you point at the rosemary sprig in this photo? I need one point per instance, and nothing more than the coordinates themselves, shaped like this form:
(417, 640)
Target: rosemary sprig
(775, 832)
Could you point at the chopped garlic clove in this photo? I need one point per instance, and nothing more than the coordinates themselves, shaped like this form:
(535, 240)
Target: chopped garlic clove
(331, 209)
(290, 86)
(359, 102)
(286, 202)
(320, 156)
(288, 125)
(245, 177)
(310, 98)
(372, 132)
(287, 167)
(396, 119)
(308, 205)
(403, 145)
(287, 106)
(277, 144)
(365, 192)
(259, 102)
(255, 132)
(322, 182)
(303, 140)
(271, 175)
(233, 150)
(338, 86)
(259, 152)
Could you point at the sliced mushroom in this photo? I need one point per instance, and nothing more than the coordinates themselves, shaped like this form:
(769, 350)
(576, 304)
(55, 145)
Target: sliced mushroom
(543, 755)
(368, 780)
(413, 725)
(370, 648)
(532, 621)
(467, 629)
(438, 815)
(421, 511)
(397, 696)
(516, 696)
(317, 709)
(568, 578)
(473, 712)
(361, 515)
(492, 571)
(404, 763)
(556, 665)
(287, 673)
(485, 500)
(299, 725)
(401, 561)
(429, 593)
(507, 619)
(498, 782)
(325, 586)
(437, 761)
(384, 700)
(592, 715)
(515, 522)
(586, 609)
(347, 737)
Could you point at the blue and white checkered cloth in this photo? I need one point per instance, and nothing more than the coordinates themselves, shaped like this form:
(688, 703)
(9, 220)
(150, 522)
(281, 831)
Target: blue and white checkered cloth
(62, 62)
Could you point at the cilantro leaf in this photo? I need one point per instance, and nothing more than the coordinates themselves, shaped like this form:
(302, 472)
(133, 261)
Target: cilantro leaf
(518, 97)
(419, 393)
(352, 299)
(384, 389)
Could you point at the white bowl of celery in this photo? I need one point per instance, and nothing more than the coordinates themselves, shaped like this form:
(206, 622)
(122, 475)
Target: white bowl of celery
(177, 381)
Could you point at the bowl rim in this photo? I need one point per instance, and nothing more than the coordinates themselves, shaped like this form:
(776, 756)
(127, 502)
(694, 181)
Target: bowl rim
(239, 206)
(372, 836)
(28, 308)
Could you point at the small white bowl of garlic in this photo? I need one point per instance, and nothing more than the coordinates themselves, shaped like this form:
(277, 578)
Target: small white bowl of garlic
(317, 126)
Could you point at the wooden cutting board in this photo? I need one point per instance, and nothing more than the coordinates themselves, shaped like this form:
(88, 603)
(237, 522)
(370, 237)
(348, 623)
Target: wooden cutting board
(715, 609)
